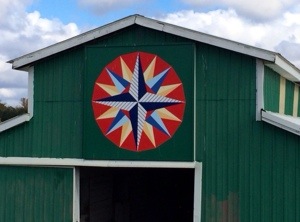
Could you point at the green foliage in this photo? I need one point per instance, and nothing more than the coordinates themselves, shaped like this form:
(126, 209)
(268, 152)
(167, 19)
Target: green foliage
(8, 112)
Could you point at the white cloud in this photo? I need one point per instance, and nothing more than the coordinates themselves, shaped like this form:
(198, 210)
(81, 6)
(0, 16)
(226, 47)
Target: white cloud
(21, 33)
(282, 34)
(252, 9)
(223, 23)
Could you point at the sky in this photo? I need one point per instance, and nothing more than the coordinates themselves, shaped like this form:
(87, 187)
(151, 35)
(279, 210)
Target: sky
(29, 25)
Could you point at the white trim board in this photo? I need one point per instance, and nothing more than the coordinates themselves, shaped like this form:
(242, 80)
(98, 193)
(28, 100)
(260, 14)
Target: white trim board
(197, 191)
(289, 123)
(14, 122)
(67, 162)
(30, 91)
(76, 194)
(284, 68)
(259, 88)
(27, 116)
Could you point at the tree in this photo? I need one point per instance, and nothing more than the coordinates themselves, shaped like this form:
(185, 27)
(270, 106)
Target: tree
(8, 112)
(2, 109)
(24, 103)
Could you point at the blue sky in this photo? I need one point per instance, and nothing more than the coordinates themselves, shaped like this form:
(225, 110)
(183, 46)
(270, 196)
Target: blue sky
(83, 16)
(28, 25)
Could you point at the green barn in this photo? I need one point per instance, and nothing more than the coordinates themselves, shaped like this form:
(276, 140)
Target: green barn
(140, 120)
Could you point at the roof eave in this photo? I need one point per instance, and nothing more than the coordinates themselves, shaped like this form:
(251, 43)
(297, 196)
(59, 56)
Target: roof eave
(284, 68)
(206, 38)
(23, 61)
(272, 59)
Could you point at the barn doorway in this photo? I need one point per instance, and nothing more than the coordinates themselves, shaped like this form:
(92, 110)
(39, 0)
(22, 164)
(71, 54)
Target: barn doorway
(136, 194)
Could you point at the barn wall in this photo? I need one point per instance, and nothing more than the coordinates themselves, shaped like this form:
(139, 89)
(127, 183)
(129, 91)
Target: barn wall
(56, 127)
(251, 169)
(35, 194)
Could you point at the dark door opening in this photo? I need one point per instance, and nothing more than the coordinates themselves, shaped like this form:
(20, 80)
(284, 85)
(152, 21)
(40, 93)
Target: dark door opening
(136, 194)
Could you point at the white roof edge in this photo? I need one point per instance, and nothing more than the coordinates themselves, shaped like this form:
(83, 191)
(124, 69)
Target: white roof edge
(72, 42)
(288, 123)
(14, 122)
(277, 62)
(285, 68)
(69, 162)
(206, 38)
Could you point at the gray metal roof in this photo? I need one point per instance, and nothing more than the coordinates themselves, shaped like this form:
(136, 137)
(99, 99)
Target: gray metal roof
(272, 59)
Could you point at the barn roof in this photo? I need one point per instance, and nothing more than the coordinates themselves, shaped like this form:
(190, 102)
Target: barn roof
(272, 59)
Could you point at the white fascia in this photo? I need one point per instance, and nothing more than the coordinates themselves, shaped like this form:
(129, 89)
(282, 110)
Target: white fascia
(289, 123)
(76, 194)
(27, 116)
(197, 191)
(259, 88)
(284, 68)
(68, 162)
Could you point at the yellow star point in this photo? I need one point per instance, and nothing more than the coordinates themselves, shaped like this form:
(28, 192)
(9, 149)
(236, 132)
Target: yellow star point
(126, 72)
(110, 113)
(166, 114)
(148, 130)
(165, 90)
(126, 129)
(149, 72)
(111, 90)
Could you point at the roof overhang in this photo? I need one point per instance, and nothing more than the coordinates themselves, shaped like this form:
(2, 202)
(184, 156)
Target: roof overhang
(272, 59)
(14, 122)
(284, 68)
(289, 123)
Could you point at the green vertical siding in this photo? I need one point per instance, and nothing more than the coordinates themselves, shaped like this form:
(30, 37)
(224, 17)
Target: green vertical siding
(250, 169)
(56, 127)
(271, 90)
(35, 194)
(272, 93)
(224, 131)
(289, 97)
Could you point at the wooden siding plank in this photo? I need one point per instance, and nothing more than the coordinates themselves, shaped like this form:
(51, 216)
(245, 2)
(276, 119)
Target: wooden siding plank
(289, 97)
(266, 175)
(278, 175)
(256, 136)
(271, 90)
(290, 179)
(296, 100)
(282, 92)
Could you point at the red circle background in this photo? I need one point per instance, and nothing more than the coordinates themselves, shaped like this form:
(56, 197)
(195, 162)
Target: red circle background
(170, 79)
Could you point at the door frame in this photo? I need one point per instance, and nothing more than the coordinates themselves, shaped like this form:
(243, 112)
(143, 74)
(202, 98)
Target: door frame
(143, 164)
